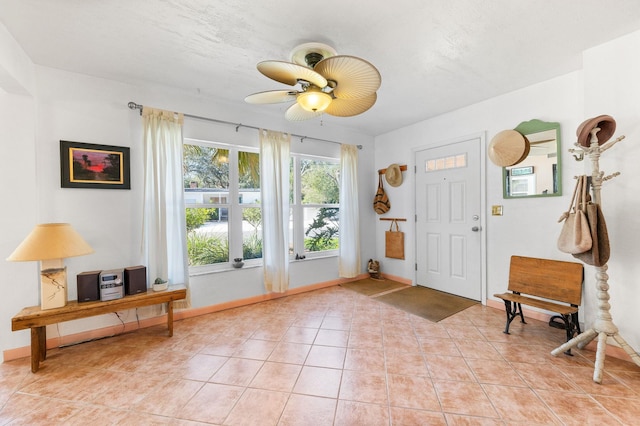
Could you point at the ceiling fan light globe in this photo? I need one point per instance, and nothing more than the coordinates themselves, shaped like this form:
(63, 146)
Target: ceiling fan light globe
(314, 100)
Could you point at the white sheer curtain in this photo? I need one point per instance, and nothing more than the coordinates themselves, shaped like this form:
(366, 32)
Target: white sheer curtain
(349, 251)
(274, 188)
(164, 229)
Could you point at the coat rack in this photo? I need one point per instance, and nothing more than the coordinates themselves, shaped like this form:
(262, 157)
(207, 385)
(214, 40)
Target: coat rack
(603, 326)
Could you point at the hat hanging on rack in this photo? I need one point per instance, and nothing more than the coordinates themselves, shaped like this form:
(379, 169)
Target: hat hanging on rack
(393, 175)
(607, 126)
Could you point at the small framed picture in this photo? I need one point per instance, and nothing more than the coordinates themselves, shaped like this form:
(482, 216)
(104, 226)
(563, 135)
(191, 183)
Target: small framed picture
(85, 165)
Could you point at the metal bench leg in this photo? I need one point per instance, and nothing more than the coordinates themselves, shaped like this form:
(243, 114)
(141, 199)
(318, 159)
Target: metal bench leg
(569, 323)
(512, 312)
(570, 327)
(574, 320)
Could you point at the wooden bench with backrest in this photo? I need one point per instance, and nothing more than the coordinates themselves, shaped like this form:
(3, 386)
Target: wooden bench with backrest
(552, 285)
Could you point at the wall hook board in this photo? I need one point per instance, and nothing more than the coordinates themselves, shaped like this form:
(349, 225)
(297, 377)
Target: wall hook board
(403, 168)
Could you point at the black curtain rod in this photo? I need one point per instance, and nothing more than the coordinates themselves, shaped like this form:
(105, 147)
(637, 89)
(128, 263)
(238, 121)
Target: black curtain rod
(133, 105)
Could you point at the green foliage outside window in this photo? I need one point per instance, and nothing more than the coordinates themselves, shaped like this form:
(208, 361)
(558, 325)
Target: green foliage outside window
(206, 170)
(197, 217)
(208, 167)
(322, 233)
(204, 249)
(320, 184)
(252, 245)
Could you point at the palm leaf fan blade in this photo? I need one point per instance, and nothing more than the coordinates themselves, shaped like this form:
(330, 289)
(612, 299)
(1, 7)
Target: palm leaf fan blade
(355, 77)
(271, 97)
(351, 107)
(289, 73)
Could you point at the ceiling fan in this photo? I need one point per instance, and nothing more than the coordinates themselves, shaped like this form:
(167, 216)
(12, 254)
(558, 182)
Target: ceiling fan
(338, 85)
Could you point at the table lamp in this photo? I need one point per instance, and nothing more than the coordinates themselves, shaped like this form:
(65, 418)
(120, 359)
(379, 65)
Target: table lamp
(50, 243)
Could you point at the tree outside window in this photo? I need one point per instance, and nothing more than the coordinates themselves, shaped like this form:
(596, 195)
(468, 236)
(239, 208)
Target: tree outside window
(223, 210)
(316, 201)
(222, 192)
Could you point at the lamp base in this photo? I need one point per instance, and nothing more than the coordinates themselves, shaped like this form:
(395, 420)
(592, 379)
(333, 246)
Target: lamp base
(53, 288)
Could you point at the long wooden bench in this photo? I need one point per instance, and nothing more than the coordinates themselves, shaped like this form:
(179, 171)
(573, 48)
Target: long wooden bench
(37, 319)
(552, 285)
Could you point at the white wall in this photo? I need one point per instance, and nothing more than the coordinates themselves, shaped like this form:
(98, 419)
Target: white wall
(18, 175)
(16, 68)
(20, 286)
(80, 108)
(612, 87)
(609, 84)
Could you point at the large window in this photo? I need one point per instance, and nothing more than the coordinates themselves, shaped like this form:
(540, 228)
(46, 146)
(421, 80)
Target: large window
(222, 202)
(315, 199)
(222, 197)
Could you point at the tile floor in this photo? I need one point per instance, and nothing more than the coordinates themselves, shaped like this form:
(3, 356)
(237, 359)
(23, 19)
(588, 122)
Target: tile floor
(327, 357)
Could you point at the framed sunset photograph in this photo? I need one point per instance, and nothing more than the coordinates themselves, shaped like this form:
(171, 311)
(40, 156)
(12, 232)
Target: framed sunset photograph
(85, 165)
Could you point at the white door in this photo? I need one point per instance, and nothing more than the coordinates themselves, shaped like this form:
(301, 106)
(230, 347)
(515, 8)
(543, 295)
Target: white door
(448, 208)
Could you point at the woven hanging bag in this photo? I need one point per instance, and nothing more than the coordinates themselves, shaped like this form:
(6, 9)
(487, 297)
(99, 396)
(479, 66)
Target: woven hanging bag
(381, 202)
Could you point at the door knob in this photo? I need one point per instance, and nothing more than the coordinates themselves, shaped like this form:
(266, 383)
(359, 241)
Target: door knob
(476, 228)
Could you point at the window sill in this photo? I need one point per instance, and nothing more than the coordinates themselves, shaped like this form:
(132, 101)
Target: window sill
(221, 270)
(255, 265)
(320, 256)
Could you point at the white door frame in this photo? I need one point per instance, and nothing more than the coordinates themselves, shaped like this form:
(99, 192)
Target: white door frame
(483, 204)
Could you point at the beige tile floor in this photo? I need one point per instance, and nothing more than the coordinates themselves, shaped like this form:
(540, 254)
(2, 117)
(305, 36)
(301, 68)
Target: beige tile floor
(327, 357)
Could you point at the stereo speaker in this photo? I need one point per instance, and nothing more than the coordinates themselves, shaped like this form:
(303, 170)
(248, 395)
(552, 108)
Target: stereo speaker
(88, 286)
(135, 279)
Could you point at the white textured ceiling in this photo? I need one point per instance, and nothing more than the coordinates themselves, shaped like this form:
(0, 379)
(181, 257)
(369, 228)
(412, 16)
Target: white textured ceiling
(434, 55)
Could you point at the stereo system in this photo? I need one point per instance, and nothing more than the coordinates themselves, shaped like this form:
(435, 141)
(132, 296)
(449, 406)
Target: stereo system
(111, 284)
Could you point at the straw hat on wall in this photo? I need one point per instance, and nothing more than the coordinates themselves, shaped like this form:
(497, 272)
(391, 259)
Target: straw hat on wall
(508, 148)
(393, 175)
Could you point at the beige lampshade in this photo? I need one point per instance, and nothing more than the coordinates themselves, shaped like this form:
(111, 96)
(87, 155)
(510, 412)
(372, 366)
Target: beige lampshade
(51, 241)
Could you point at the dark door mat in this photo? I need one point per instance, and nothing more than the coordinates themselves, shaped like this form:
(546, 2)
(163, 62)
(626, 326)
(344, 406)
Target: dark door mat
(427, 303)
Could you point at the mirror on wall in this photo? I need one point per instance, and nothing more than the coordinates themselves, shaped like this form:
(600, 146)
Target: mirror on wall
(539, 174)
